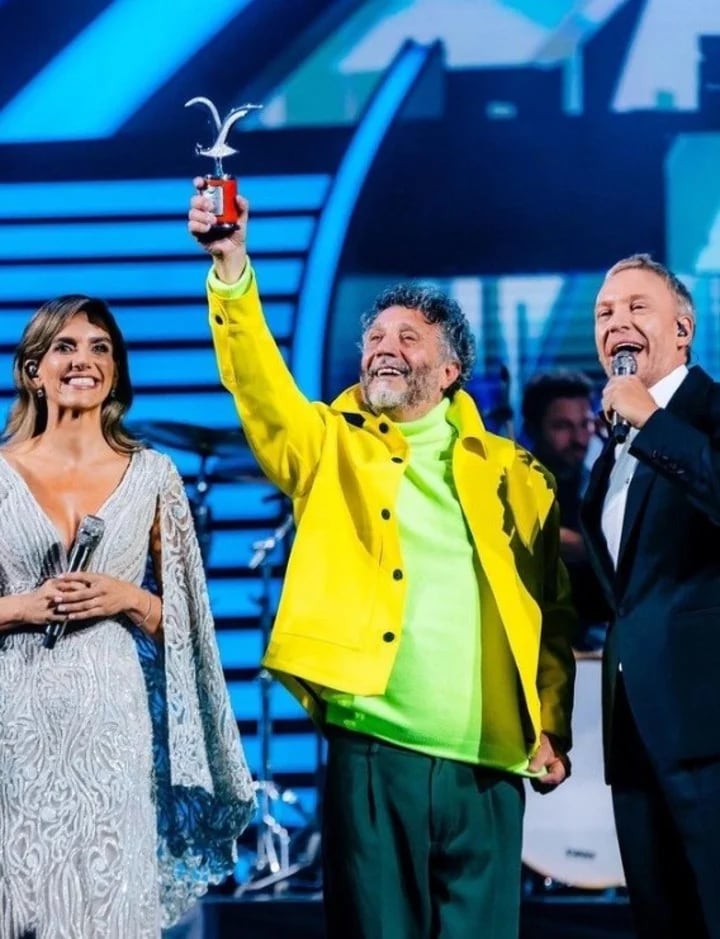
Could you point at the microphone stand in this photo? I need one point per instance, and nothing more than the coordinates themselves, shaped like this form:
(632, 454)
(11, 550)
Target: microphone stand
(272, 863)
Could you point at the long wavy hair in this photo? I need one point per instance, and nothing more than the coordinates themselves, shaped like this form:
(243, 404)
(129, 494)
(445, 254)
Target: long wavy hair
(28, 414)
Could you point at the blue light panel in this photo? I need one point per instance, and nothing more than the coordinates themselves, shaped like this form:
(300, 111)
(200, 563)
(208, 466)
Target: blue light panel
(239, 648)
(151, 196)
(291, 753)
(239, 597)
(163, 279)
(100, 79)
(245, 699)
(319, 279)
(149, 237)
(234, 549)
(209, 409)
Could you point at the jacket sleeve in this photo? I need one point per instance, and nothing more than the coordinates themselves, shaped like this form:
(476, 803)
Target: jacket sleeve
(685, 455)
(284, 430)
(556, 661)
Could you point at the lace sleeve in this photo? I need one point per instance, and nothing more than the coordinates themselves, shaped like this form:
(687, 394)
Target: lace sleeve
(204, 791)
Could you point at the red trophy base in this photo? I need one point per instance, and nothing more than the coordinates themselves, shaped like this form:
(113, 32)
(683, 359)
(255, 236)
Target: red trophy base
(222, 190)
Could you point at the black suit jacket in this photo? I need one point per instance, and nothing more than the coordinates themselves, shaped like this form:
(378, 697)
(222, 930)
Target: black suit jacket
(665, 594)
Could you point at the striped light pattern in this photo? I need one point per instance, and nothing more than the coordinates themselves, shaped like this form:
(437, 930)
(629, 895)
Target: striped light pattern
(98, 81)
(322, 263)
(126, 241)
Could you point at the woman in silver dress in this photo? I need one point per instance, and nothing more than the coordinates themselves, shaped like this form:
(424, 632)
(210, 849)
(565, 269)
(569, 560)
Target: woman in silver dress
(123, 784)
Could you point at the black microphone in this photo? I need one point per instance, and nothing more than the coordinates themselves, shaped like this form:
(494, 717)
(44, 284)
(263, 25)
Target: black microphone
(623, 363)
(89, 534)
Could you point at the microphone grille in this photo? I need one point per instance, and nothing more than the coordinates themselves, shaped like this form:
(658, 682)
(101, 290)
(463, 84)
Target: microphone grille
(624, 363)
(90, 530)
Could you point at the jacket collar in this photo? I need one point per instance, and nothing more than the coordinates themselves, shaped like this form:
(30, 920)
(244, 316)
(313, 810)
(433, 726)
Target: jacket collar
(462, 414)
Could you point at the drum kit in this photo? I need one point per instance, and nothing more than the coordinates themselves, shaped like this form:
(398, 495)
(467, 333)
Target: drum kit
(569, 837)
(224, 455)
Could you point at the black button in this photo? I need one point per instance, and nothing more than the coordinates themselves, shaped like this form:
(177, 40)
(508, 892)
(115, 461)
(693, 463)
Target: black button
(218, 319)
(397, 574)
(385, 514)
(383, 427)
(388, 637)
(397, 459)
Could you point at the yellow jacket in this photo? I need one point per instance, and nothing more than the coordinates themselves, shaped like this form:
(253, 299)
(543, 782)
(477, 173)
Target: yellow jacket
(341, 610)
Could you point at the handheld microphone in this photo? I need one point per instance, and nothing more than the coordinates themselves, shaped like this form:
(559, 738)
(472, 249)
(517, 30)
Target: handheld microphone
(89, 534)
(623, 363)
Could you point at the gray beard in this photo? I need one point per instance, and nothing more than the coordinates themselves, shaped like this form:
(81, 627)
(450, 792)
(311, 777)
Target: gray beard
(384, 399)
(387, 400)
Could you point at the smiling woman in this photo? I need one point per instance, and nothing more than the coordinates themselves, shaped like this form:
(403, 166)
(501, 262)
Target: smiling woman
(70, 337)
(105, 737)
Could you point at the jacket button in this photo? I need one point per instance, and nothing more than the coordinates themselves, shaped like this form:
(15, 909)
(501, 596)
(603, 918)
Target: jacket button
(388, 637)
(383, 427)
(397, 574)
(218, 319)
(397, 459)
(385, 514)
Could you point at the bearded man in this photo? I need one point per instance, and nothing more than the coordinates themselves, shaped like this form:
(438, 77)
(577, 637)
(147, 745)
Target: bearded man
(424, 621)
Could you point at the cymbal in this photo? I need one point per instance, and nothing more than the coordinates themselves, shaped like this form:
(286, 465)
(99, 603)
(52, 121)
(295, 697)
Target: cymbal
(206, 441)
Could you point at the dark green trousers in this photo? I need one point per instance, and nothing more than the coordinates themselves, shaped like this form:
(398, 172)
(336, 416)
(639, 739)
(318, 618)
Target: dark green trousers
(416, 847)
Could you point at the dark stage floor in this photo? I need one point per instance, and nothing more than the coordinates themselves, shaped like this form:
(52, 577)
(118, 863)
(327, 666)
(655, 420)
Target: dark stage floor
(574, 917)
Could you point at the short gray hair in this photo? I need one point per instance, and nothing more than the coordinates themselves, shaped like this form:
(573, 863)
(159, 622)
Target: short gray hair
(645, 262)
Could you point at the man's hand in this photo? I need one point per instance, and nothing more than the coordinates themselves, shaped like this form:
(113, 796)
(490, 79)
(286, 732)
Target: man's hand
(572, 545)
(627, 396)
(229, 253)
(555, 763)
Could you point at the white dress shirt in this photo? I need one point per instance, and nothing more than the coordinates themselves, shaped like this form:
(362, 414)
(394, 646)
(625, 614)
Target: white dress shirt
(622, 472)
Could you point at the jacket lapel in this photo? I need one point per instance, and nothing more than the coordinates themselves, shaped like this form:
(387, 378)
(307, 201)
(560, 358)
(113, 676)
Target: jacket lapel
(686, 403)
(640, 485)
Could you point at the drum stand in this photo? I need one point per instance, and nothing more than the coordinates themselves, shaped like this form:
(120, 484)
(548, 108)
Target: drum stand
(272, 862)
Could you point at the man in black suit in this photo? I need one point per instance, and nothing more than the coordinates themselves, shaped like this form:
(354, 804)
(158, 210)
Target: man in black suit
(651, 516)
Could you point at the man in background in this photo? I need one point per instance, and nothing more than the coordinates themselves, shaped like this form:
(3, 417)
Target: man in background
(561, 430)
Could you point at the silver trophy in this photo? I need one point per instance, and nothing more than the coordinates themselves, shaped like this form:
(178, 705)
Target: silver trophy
(221, 186)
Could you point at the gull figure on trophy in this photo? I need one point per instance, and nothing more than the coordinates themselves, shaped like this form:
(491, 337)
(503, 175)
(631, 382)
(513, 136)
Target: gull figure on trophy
(222, 186)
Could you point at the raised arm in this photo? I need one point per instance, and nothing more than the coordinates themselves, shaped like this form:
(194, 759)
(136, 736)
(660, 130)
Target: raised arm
(284, 430)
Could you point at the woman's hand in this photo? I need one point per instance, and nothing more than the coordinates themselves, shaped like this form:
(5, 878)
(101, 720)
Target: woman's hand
(36, 608)
(85, 595)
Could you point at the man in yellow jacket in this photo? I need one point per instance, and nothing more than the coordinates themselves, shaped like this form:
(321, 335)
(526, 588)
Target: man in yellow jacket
(425, 619)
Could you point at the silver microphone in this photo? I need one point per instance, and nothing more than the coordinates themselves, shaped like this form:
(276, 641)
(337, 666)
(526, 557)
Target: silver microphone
(623, 363)
(90, 531)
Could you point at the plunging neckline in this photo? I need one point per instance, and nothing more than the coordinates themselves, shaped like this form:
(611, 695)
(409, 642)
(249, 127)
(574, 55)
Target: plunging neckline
(43, 513)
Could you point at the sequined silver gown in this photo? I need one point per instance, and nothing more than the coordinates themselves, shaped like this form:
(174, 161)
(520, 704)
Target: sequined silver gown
(123, 785)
